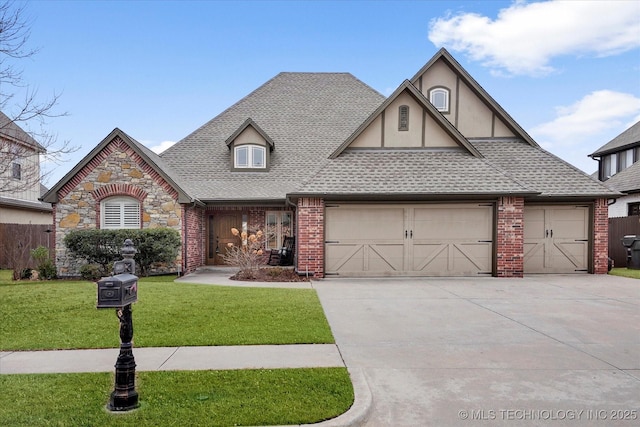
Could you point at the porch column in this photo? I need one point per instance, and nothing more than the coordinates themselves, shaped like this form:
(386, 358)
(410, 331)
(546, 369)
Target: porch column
(310, 238)
(510, 237)
(600, 236)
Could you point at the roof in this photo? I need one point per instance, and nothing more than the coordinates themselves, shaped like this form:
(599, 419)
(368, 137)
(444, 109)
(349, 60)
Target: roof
(540, 170)
(414, 173)
(25, 204)
(507, 167)
(627, 138)
(627, 180)
(149, 156)
(306, 115)
(10, 130)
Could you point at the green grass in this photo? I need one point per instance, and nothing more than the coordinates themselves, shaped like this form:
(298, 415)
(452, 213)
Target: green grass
(192, 398)
(62, 315)
(625, 272)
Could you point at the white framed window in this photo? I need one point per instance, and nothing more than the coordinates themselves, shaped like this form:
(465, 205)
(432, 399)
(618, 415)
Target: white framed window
(625, 159)
(610, 165)
(120, 212)
(439, 97)
(250, 157)
(278, 227)
(16, 171)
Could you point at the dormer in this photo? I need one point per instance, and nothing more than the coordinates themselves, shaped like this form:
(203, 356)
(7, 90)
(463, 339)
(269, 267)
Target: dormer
(250, 148)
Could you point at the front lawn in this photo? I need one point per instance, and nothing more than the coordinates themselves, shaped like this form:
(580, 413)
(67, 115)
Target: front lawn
(625, 272)
(63, 315)
(181, 398)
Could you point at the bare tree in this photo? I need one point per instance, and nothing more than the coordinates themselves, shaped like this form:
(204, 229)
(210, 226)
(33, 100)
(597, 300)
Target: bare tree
(24, 137)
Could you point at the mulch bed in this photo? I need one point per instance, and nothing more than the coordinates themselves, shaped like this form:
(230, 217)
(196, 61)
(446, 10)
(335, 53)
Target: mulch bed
(270, 274)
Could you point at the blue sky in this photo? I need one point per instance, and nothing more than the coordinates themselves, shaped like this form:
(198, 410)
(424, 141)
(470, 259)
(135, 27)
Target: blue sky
(568, 72)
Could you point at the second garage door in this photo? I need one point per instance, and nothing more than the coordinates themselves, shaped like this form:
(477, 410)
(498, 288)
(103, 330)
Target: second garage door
(409, 240)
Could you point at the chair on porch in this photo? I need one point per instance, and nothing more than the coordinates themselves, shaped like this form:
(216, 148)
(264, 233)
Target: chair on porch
(284, 255)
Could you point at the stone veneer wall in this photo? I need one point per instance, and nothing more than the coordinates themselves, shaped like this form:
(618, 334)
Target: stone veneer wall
(117, 170)
(510, 237)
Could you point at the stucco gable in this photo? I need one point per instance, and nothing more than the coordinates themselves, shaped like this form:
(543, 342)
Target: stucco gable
(249, 127)
(473, 111)
(427, 127)
(117, 140)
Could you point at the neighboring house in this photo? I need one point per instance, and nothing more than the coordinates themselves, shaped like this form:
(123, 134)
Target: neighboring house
(20, 187)
(619, 166)
(435, 180)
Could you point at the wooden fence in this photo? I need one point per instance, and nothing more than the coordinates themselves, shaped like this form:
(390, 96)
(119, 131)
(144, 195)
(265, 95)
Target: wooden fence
(619, 227)
(17, 240)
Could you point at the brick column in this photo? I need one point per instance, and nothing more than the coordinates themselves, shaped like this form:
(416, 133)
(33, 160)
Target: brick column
(310, 238)
(600, 236)
(510, 237)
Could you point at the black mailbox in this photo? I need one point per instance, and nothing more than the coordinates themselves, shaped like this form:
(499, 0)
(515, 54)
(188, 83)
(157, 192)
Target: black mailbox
(117, 291)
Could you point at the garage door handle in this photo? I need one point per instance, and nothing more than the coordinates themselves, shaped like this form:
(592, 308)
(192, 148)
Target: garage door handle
(552, 234)
(406, 233)
(411, 234)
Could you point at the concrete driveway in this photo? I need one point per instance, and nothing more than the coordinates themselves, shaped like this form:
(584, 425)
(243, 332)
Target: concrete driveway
(543, 350)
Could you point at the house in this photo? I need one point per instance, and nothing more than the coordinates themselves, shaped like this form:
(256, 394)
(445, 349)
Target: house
(25, 221)
(434, 180)
(619, 166)
(20, 186)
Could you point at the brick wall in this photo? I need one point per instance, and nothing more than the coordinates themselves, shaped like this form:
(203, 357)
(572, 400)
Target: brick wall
(600, 236)
(510, 237)
(310, 219)
(193, 238)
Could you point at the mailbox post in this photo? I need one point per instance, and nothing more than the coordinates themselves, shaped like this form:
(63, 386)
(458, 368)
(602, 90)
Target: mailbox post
(120, 291)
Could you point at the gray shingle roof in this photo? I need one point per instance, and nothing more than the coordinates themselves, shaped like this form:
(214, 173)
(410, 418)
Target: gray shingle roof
(629, 137)
(540, 170)
(411, 172)
(627, 180)
(9, 129)
(307, 115)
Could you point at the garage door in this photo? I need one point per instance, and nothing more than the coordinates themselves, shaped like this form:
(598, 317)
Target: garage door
(409, 240)
(556, 239)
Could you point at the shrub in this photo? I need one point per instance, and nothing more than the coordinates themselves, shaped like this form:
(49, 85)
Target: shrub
(102, 247)
(92, 272)
(247, 255)
(46, 269)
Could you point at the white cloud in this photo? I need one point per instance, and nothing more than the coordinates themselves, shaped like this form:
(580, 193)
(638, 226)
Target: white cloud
(525, 37)
(159, 148)
(597, 112)
(584, 126)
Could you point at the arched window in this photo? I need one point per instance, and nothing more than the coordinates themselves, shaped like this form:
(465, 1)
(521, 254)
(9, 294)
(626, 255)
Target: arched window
(250, 157)
(120, 212)
(403, 117)
(439, 97)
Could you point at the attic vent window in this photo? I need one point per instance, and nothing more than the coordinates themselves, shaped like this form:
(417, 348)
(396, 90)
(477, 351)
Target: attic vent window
(16, 170)
(403, 117)
(439, 97)
(250, 157)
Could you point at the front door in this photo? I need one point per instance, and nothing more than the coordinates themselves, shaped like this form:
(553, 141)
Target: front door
(219, 234)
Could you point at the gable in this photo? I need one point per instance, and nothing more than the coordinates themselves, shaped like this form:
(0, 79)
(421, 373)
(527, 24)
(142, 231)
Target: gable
(472, 110)
(423, 127)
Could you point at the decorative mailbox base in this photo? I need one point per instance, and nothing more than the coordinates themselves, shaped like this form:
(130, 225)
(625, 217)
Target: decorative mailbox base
(124, 396)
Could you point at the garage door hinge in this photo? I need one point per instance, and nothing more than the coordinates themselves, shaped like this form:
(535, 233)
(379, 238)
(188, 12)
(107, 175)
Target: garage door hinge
(584, 269)
(485, 241)
(331, 241)
(582, 240)
(331, 206)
